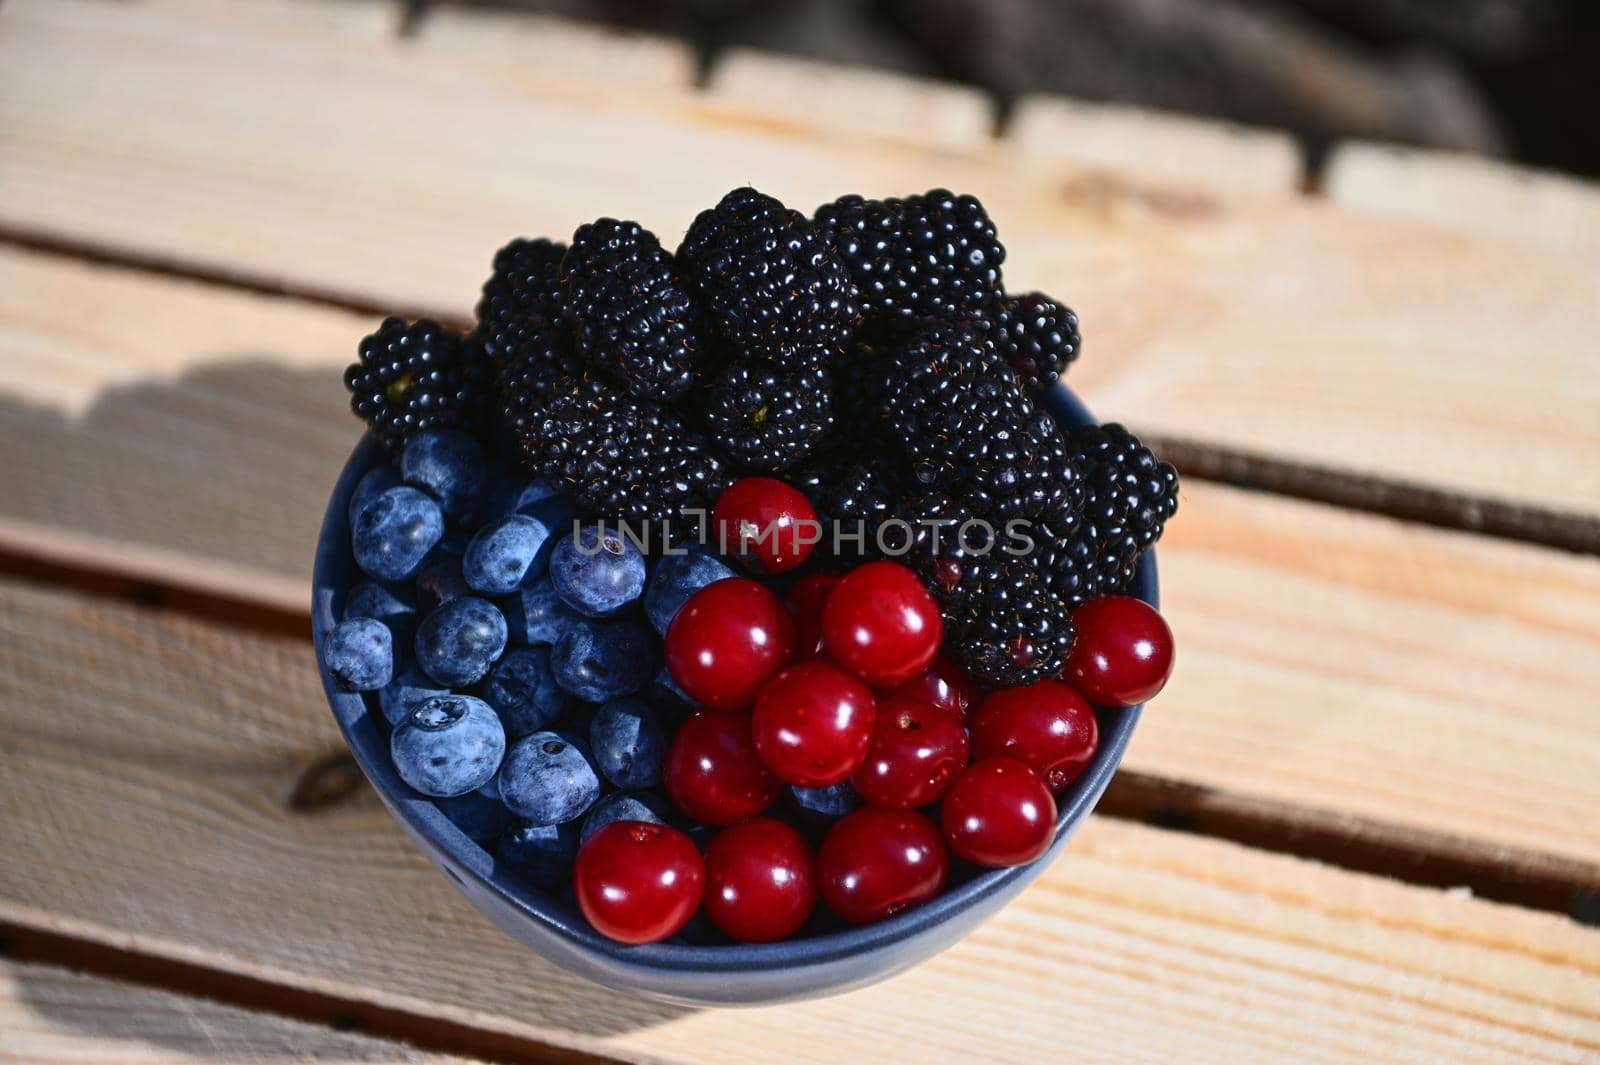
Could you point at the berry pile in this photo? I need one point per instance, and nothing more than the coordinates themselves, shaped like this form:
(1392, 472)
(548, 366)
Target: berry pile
(850, 409)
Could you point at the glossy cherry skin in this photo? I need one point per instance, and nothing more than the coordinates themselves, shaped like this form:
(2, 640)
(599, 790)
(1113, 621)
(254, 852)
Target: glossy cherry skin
(812, 723)
(875, 863)
(881, 624)
(943, 684)
(915, 752)
(806, 598)
(768, 525)
(1046, 725)
(1123, 654)
(729, 638)
(761, 881)
(638, 882)
(712, 772)
(998, 813)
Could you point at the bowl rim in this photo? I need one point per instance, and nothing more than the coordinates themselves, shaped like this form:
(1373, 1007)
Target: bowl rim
(335, 573)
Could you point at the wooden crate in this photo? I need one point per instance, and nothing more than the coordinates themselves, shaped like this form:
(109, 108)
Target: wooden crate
(203, 206)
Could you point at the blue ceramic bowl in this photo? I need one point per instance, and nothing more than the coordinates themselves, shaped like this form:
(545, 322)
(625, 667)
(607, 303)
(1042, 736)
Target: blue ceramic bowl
(719, 975)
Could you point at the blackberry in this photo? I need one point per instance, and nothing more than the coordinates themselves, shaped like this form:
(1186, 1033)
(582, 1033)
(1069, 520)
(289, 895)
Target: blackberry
(1130, 496)
(1023, 471)
(1037, 336)
(868, 490)
(770, 282)
(929, 256)
(520, 298)
(948, 400)
(526, 380)
(409, 379)
(768, 421)
(1004, 624)
(629, 312)
(621, 457)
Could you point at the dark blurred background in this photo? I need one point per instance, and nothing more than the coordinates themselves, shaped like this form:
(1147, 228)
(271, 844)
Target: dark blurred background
(1513, 78)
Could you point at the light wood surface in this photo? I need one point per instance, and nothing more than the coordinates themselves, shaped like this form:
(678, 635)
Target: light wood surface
(1330, 660)
(1270, 323)
(51, 1016)
(1484, 197)
(164, 749)
(852, 101)
(1187, 155)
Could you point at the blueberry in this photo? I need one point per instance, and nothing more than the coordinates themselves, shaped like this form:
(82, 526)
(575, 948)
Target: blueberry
(666, 696)
(597, 571)
(523, 691)
(827, 803)
(480, 814)
(360, 654)
(622, 806)
(629, 743)
(676, 578)
(601, 661)
(547, 779)
(524, 498)
(506, 554)
(390, 605)
(448, 745)
(402, 695)
(394, 532)
(540, 854)
(536, 613)
(376, 480)
(439, 582)
(450, 465)
(457, 643)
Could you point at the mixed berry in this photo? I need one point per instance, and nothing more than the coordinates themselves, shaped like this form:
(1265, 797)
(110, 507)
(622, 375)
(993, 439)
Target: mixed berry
(751, 579)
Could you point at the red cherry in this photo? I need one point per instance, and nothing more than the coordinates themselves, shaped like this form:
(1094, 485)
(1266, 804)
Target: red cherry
(874, 863)
(1123, 654)
(1046, 725)
(807, 596)
(761, 881)
(881, 624)
(916, 751)
(638, 882)
(728, 639)
(812, 723)
(998, 812)
(769, 525)
(943, 684)
(712, 771)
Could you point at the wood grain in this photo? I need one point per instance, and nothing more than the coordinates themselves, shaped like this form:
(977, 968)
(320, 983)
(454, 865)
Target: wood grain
(52, 1016)
(1331, 661)
(1266, 323)
(1484, 197)
(164, 749)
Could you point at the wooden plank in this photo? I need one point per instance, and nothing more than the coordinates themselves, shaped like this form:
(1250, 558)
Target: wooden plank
(1268, 324)
(1332, 661)
(1182, 151)
(180, 432)
(1469, 194)
(852, 100)
(548, 53)
(164, 749)
(52, 1016)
